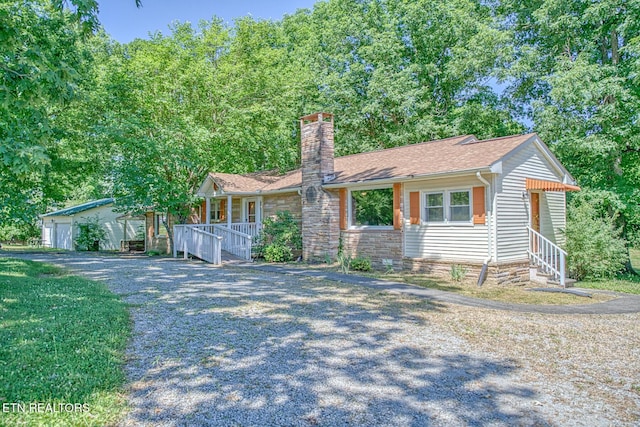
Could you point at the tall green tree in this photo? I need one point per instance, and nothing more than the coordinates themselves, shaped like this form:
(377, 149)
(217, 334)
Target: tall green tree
(576, 76)
(155, 114)
(398, 72)
(40, 73)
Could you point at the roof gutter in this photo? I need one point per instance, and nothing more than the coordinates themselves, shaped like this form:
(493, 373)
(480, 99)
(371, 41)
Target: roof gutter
(409, 178)
(251, 193)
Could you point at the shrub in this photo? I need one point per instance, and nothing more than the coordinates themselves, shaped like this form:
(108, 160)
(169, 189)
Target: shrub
(18, 232)
(90, 234)
(458, 273)
(276, 252)
(279, 239)
(361, 264)
(593, 243)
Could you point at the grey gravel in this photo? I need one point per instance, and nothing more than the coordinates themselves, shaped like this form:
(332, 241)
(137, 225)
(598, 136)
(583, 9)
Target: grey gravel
(236, 347)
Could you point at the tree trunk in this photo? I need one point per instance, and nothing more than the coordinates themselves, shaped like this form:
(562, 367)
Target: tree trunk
(165, 222)
(615, 56)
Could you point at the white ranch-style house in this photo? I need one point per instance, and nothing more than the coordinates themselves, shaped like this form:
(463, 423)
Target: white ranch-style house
(496, 203)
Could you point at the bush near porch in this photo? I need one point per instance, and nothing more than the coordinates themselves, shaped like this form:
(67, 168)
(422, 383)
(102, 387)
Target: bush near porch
(280, 239)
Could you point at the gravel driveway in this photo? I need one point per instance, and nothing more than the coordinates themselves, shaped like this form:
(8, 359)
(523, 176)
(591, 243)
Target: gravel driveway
(231, 346)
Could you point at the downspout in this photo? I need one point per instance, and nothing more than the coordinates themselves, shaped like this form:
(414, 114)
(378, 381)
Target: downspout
(483, 272)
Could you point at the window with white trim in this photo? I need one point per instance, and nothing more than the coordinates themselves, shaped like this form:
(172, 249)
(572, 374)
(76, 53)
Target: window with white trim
(460, 206)
(450, 206)
(434, 207)
(215, 211)
(371, 207)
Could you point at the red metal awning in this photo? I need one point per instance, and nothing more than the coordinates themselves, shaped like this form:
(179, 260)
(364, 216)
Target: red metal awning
(544, 185)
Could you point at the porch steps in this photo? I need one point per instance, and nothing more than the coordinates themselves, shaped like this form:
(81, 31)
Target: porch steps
(537, 275)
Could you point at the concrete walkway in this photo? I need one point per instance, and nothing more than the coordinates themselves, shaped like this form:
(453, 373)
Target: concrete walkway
(624, 303)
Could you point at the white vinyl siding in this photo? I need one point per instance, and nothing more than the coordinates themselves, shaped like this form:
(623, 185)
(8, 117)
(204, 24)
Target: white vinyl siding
(552, 215)
(463, 242)
(513, 210)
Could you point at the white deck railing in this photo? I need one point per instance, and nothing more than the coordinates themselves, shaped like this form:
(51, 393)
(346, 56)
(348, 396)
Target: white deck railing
(233, 240)
(197, 241)
(250, 228)
(547, 256)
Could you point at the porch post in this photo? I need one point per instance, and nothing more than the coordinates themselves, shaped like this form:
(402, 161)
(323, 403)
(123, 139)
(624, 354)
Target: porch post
(229, 211)
(207, 206)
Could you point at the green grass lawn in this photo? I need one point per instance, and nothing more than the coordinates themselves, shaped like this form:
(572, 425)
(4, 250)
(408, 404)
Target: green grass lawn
(62, 343)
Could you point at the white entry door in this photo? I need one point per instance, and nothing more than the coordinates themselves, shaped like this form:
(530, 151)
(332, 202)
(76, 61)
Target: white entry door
(251, 210)
(63, 236)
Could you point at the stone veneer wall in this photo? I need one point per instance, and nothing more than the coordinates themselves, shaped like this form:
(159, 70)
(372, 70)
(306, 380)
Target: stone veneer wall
(502, 274)
(375, 245)
(282, 202)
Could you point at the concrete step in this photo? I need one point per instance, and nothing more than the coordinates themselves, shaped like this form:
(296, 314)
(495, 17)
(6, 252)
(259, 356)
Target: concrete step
(538, 276)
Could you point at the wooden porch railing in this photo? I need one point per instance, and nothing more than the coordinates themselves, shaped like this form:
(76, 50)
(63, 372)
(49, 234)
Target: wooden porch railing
(250, 228)
(547, 256)
(198, 240)
(191, 239)
(234, 242)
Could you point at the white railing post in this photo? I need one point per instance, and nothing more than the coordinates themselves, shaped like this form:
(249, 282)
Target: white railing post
(218, 249)
(175, 236)
(562, 270)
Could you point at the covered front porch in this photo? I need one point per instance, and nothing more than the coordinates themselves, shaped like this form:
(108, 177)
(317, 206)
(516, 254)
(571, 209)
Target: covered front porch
(230, 223)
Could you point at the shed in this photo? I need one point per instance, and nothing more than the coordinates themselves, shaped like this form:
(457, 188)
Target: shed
(60, 228)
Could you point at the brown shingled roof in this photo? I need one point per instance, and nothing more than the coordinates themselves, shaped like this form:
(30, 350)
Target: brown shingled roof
(442, 156)
(257, 181)
(428, 158)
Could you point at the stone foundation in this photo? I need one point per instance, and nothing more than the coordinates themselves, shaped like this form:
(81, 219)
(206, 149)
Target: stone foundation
(377, 245)
(501, 274)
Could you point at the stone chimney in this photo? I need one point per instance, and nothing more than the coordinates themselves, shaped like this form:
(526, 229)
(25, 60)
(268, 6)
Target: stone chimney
(320, 207)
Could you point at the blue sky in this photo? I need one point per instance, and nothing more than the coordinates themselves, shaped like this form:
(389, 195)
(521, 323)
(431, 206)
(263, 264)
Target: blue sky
(124, 22)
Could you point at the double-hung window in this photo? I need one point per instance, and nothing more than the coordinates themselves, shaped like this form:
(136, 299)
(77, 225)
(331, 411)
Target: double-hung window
(435, 207)
(216, 211)
(459, 206)
(447, 206)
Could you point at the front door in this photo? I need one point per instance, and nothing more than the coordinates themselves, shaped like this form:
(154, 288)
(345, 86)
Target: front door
(535, 211)
(535, 219)
(250, 210)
